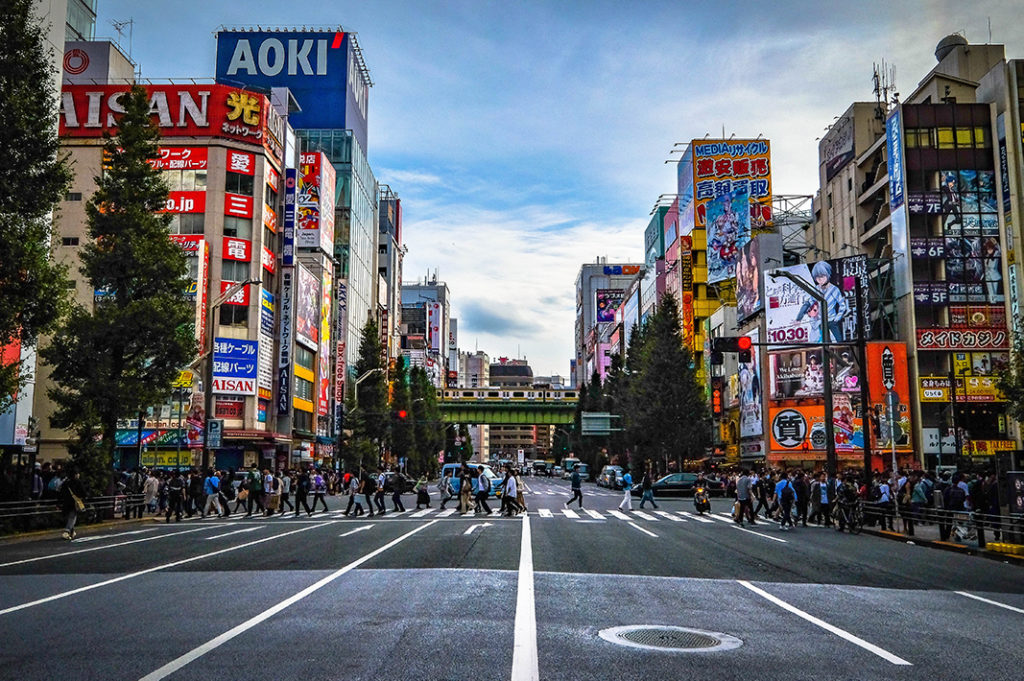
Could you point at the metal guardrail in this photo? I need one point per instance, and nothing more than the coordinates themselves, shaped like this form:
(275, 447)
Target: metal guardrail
(972, 528)
(18, 516)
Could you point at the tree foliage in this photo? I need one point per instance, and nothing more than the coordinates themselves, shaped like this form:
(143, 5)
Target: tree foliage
(33, 178)
(122, 355)
(429, 427)
(368, 415)
(403, 430)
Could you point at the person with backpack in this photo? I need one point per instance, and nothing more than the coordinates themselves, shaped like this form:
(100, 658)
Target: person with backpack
(444, 488)
(483, 490)
(627, 485)
(211, 487)
(576, 483)
(319, 490)
(369, 490)
(255, 491)
(301, 492)
(802, 497)
(785, 495)
(175, 497)
(287, 482)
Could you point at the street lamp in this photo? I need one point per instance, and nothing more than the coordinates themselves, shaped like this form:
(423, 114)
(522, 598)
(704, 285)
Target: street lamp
(208, 357)
(355, 389)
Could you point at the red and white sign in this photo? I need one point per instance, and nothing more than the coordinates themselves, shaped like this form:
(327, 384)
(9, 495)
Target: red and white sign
(185, 202)
(273, 178)
(238, 205)
(240, 298)
(339, 373)
(267, 260)
(269, 218)
(190, 243)
(209, 110)
(237, 249)
(241, 162)
(963, 339)
(229, 408)
(234, 386)
(181, 158)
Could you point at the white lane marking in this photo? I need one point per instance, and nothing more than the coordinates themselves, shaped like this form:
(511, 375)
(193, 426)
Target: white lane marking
(525, 663)
(196, 653)
(132, 575)
(760, 534)
(228, 534)
(666, 514)
(358, 529)
(618, 514)
(698, 518)
(446, 512)
(985, 600)
(420, 514)
(550, 492)
(724, 520)
(108, 536)
(594, 514)
(545, 513)
(399, 512)
(100, 548)
(473, 527)
(648, 532)
(641, 514)
(870, 647)
(570, 514)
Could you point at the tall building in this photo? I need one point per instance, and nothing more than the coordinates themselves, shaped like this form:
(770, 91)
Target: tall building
(926, 189)
(507, 440)
(474, 369)
(426, 327)
(390, 256)
(600, 289)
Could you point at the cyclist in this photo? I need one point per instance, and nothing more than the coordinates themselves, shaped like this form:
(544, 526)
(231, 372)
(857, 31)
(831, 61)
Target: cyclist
(848, 499)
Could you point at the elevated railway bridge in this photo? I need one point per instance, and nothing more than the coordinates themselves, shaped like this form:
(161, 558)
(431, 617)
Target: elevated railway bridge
(508, 406)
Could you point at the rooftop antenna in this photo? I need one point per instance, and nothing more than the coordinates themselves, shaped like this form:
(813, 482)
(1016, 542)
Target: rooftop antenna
(990, 30)
(883, 79)
(119, 27)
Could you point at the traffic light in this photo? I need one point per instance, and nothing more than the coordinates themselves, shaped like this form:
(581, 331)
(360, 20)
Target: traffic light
(738, 344)
(402, 414)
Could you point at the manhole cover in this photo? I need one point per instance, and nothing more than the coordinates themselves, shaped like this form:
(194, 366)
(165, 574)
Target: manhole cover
(670, 639)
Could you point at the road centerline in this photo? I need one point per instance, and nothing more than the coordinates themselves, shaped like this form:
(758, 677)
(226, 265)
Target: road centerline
(525, 662)
(841, 633)
(990, 602)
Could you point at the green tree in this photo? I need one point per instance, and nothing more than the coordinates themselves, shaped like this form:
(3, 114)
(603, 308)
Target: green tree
(466, 448)
(669, 410)
(114, 360)
(33, 178)
(368, 416)
(403, 432)
(430, 429)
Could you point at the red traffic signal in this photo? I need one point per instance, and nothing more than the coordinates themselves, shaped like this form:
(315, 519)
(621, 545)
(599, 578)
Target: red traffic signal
(744, 343)
(402, 413)
(731, 343)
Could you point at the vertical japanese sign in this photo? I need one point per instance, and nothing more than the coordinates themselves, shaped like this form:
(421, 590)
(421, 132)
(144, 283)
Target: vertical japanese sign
(340, 322)
(888, 385)
(324, 360)
(290, 194)
(894, 149)
(751, 421)
(284, 363)
(315, 203)
(434, 326)
(265, 375)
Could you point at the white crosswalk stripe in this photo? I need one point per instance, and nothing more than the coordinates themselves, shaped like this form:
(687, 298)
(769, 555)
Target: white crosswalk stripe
(570, 514)
(724, 520)
(618, 514)
(421, 513)
(446, 512)
(666, 514)
(593, 514)
(545, 513)
(641, 514)
(698, 518)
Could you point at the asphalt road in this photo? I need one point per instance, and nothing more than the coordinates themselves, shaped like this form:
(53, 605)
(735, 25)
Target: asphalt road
(437, 597)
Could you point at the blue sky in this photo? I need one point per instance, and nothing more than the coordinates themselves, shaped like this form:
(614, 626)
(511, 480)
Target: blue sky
(526, 138)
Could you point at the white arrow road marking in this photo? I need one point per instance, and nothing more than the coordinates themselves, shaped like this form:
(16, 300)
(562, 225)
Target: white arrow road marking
(228, 534)
(107, 536)
(647, 532)
(545, 513)
(358, 529)
(870, 647)
(473, 527)
(525, 661)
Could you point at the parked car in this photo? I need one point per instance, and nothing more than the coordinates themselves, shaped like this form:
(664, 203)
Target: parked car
(542, 468)
(610, 477)
(557, 471)
(672, 485)
(399, 481)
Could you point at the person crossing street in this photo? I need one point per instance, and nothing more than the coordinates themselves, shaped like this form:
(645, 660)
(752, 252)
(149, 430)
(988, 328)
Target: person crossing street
(627, 485)
(577, 488)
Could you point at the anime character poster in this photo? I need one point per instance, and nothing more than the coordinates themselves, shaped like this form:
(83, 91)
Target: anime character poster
(307, 309)
(793, 314)
(728, 231)
(751, 400)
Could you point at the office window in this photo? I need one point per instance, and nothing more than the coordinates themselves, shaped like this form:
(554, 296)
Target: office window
(946, 138)
(239, 228)
(234, 315)
(304, 389)
(981, 138)
(73, 196)
(187, 223)
(963, 138)
(237, 183)
(304, 358)
(303, 421)
(69, 241)
(232, 270)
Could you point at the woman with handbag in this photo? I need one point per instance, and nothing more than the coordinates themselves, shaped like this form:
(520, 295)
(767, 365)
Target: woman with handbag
(71, 495)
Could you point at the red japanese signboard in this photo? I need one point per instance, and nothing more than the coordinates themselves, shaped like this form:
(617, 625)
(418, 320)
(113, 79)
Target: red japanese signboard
(181, 158)
(238, 205)
(185, 202)
(237, 249)
(241, 162)
(179, 110)
(240, 298)
(267, 260)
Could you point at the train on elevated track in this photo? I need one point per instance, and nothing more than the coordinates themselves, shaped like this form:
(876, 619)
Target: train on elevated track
(505, 394)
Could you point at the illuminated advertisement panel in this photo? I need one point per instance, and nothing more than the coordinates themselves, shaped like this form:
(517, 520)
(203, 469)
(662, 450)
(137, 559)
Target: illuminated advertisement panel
(750, 386)
(728, 227)
(608, 301)
(324, 359)
(799, 373)
(792, 313)
(723, 167)
(888, 383)
(762, 253)
(801, 428)
(307, 309)
(314, 221)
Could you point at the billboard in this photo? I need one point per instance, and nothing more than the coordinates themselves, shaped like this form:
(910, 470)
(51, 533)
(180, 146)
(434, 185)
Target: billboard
(897, 184)
(178, 110)
(314, 204)
(750, 387)
(324, 359)
(888, 383)
(608, 301)
(307, 308)
(836, 147)
(322, 69)
(291, 182)
(792, 313)
(723, 167)
(761, 253)
(802, 427)
(728, 230)
(235, 363)
(195, 246)
(434, 326)
(976, 339)
(800, 373)
(284, 361)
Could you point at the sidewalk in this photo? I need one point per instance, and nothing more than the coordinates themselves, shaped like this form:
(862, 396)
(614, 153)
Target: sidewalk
(928, 535)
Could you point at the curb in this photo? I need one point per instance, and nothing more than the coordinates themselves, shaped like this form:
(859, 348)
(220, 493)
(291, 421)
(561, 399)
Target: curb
(19, 537)
(946, 546)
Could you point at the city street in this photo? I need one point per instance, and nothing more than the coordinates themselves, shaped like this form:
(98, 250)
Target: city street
(432, 595)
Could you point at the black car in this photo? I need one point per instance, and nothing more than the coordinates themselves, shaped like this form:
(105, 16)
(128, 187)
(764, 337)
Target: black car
(672, 485)
(398, 482)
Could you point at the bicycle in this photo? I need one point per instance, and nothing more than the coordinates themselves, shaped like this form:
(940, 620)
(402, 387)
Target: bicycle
(853, 516)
